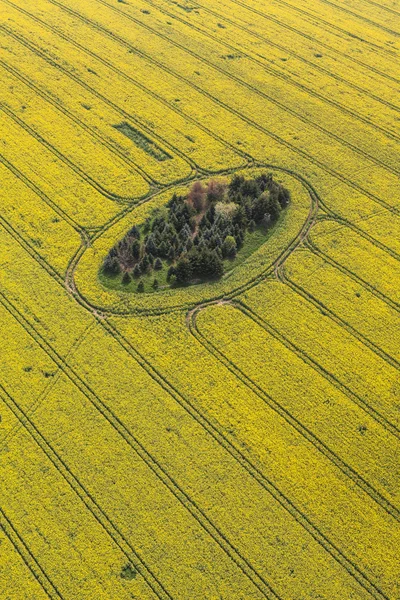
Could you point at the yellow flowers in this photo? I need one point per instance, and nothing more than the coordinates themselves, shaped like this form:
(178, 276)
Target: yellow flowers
(86, 274)
(234, 440)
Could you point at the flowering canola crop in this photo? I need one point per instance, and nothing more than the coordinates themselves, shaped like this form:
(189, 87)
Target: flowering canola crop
(231, 440)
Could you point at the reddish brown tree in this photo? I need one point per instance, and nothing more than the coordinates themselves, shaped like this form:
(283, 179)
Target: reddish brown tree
(197, 196)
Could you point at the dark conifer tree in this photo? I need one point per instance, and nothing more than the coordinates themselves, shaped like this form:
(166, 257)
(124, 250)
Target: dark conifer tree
(126, 278)
(183, 270)
(158, 264)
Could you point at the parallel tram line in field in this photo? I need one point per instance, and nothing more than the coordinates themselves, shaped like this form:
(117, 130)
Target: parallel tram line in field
(291, 420)
(49, 146)
(194, 167)
(273, 19)
(61, 213)
(211, 428)
(216, 433)
(372, 412)
(185, 116)
(279, 74)
(196, 512)
(231, 110)
(331, 215)
(31, 251)
(131, 80)
(90, 503)
(383, 7)
(226, 73)
(314, 248)
(273, 100)
(373, 197)
(47, 98)
(301, 291)
(28, 558)
(109, 65)
(43, 395)
(253, 470)
(331, 25)
(361, 17)
(28, 44)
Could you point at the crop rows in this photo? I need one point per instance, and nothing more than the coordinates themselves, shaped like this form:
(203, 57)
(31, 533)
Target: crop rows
(190, 137)
(237, 112)
(181, 102)
(258, 23)
(270, 379)
(16, 576)
(227, 440)
(351, 568)
(118, 425)
(346, 302)
(361, 201)
(350, 362)
(279, 52)
(230, 412)
(71, 514)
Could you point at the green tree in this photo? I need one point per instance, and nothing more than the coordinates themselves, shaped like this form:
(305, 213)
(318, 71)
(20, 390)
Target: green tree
(145, 264)
(229, 247)
(183, 271)
(171, 253)
(135, 249)
(171, 271)
(134, 232)
(111, 266)
(158, 264)
(126, 279)
(140, 287)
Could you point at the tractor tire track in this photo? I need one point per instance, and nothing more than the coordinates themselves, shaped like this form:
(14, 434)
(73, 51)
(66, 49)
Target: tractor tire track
(184, 48)
(285, 414)
(342, 8)
(92, 506)
(28, 558)
(61, 213)
(229, 109)
(157, 469)
(332, 216)
(236, 453)
(253, 470)
(351, 395)
(126, 115)
(162, 142)
(314, 248)
(283, 25)
(332, 26)
(42, 397)
(302, 292)
(76, 169)
(145, 90)
(383, 7)
(135, 83)
(110, 147)
(278, 103)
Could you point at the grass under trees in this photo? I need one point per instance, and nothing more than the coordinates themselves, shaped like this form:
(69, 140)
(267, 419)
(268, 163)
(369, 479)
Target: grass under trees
(196, 237)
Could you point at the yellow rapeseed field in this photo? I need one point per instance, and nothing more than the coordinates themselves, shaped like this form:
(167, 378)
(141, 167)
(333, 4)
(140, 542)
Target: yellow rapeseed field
(233, 440)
